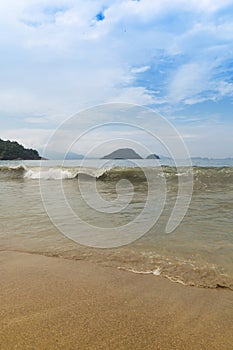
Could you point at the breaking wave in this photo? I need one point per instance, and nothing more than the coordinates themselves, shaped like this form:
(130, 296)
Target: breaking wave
(204, 177)
(55, 173)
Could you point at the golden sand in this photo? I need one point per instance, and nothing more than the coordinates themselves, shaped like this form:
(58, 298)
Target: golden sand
(53, 303)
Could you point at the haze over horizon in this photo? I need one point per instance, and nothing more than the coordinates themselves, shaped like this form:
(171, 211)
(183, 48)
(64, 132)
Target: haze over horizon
(63, 56)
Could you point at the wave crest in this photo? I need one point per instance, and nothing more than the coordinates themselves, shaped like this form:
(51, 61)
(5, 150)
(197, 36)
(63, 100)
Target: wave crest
(203, 177)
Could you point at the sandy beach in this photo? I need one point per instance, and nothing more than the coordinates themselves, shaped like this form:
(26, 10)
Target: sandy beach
(54, 303)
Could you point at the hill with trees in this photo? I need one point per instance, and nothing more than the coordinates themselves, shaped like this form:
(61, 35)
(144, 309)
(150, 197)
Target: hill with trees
(12, 150)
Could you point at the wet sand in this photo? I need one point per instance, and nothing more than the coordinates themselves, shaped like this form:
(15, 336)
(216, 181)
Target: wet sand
(53, 303)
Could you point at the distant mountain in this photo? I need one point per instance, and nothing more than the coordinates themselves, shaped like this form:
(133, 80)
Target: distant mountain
(12, 150)
(73, 156)
(53, 155)
(123, 153)
(127, 153)
(153, 156)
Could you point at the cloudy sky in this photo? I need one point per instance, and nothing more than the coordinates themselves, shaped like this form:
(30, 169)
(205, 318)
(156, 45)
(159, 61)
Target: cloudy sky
(59, 57)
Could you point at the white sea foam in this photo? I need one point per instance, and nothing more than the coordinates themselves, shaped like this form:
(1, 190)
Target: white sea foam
(155, 272)
(50, 174)
(176, 280)
(61, 174)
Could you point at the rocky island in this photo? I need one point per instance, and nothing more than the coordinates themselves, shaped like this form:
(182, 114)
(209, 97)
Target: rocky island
(12, 150)
(127, 153)
(152, 156)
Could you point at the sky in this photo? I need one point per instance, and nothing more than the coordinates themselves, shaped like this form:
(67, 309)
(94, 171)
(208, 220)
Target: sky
(59, 57)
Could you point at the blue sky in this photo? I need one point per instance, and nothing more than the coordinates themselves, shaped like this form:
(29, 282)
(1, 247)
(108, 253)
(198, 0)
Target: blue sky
(60, 57)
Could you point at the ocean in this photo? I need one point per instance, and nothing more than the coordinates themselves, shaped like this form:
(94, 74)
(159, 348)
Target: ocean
(117, 214)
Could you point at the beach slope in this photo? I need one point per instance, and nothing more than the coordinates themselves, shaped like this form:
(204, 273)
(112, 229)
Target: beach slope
(54, 303)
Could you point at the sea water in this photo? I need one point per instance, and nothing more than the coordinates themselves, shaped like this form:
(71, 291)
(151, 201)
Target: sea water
(198, 252)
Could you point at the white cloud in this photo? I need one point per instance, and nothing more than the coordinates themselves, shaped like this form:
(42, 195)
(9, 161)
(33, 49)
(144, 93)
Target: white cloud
(32, 138)
(137, 95)
(57, 62)
(225, 89)
(36, 120)
(209, 5)
(189, 80)
(203, 140)
(140, 69)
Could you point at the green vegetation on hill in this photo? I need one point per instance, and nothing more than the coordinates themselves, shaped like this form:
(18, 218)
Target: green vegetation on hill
(12, 150)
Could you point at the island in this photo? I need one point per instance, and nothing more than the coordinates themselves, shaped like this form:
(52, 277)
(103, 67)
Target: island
(12, 150)
(153, 156)
(127, 153)
(123, 153)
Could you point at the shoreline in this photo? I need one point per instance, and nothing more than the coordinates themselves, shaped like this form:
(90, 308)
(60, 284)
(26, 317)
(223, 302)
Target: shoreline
(65, 304)
(156, 272)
